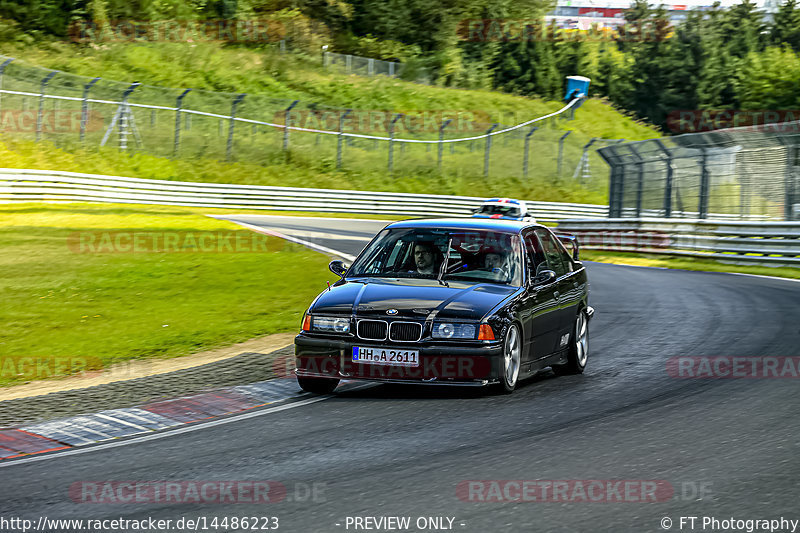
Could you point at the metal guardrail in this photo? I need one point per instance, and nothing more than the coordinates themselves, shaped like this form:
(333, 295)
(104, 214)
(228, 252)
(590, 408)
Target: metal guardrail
(774, 243)
(23, 185)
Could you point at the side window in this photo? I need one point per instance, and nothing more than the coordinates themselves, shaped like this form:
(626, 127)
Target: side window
(552, 252)
(534, 254)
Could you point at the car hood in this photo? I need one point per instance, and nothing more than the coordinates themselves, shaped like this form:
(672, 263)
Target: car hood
(412, 298)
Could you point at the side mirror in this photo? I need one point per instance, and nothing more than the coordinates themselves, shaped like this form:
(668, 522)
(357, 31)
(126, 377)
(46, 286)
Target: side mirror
(543, 278)
(338, 268)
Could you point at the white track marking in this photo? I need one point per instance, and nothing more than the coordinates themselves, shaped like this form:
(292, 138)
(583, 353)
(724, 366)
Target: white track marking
(291, 217)
(349, 386)
(168, 433)
(762, 276)
(319, 248)
(120, 421)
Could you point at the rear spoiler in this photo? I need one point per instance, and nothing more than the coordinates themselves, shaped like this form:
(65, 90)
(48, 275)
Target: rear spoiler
(570, 242)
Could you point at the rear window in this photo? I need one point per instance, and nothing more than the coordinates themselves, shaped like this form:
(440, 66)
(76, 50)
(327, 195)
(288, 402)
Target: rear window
(503, 210)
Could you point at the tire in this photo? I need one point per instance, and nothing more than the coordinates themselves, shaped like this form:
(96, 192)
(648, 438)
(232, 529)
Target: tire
(317, 385)
(512, 359)
(578, 348)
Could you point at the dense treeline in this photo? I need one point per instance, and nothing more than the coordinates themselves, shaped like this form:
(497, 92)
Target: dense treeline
(715, 59)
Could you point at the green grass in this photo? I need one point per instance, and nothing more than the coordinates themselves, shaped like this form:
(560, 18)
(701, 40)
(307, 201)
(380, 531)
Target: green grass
(59, 301)
(686, 263)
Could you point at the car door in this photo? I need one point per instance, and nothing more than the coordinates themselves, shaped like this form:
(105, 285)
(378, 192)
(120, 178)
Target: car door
(567, 293)
(539, 310)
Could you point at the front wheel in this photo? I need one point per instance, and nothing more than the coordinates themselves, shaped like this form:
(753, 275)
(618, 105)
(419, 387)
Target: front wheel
(578, 348)
(512, 357)
(317, 385)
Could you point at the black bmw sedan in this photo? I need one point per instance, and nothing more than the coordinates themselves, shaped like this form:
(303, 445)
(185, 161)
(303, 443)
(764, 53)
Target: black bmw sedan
(449, 302)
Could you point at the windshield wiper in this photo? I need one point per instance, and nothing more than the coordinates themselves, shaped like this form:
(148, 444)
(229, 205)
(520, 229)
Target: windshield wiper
(444, 265)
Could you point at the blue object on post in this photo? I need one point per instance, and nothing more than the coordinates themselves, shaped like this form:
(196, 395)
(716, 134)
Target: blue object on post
(577, 87)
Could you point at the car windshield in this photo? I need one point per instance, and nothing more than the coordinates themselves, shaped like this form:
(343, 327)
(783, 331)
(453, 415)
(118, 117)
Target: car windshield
(479, 256)
(496, 209)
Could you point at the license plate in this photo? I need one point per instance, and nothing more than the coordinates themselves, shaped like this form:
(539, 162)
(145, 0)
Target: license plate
(385, 356)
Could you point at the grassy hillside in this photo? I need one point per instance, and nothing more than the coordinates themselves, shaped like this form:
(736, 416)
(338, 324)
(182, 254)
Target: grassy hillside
(272, 80)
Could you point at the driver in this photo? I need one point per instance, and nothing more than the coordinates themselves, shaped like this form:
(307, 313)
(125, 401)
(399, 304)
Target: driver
(426, 256)
(496, 261)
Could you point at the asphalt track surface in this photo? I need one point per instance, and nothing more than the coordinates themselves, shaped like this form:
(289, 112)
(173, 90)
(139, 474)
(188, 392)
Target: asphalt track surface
(391, 451)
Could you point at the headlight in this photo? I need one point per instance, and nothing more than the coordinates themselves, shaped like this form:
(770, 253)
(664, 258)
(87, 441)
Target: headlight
(330, 324)
(447, 330)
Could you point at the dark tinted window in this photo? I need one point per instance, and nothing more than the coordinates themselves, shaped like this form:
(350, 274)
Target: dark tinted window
(553, 253)
(534, 254)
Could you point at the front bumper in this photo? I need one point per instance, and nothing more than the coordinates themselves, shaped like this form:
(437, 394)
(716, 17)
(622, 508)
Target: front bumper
(469, 363)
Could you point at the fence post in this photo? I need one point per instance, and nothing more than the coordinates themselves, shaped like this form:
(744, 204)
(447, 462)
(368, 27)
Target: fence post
(702, 208)
(391, 140)
(371, 66)
(441, 142)
(340, 137)
(391, 68)
(234, 105)
(561, 151)
(616, 180)
(85, 106)
(178, 108)
(639, 181)
(791, 180)
(788, 177)
(668, 185)
(3, 70)
(348, 63)
(527, 147)
(45, 81)
(287, 119)
(487, 150)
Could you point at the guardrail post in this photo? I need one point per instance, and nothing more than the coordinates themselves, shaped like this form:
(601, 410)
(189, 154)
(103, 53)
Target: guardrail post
(391, 140)
(85, 106)
(441, 142)
(340, 137)
(3, 70)
(488, 149)
(231, 123)
(526, 150)
(178, 107)
(561, 152)
(287, 119)
(702, 208)
(45, 81)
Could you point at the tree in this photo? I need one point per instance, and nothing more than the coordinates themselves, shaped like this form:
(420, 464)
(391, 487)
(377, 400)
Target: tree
(786, 25)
